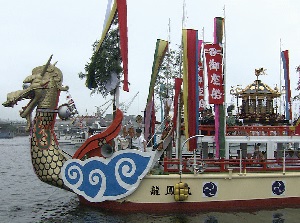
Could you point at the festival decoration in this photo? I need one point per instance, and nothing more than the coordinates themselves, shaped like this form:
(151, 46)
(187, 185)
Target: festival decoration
(99, 179)
(201, 103)
(67, 110)
(103, 73)
(214, 66)
(178, 83)
(190, 84)
(181, 192)
(298, 84)
(160, 52)
(119, 11)
(286, 69)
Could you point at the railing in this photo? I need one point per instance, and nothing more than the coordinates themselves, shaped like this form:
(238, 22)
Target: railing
(237, 165)
(209, 130)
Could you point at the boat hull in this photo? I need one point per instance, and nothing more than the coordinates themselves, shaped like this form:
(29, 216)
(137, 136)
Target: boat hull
(231, 191)
(193, 207)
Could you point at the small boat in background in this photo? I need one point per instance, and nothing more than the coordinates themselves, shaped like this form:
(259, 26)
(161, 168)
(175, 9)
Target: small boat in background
(6, 131)
(5, 134)
(64, 139)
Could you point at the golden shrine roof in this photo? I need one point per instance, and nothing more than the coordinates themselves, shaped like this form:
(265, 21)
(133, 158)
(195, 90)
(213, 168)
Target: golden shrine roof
(258, 88)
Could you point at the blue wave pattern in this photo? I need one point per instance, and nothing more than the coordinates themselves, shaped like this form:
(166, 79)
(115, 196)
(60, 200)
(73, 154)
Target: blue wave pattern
(99, 179)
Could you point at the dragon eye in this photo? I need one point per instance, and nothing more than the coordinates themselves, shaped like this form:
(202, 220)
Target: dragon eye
(26, 85)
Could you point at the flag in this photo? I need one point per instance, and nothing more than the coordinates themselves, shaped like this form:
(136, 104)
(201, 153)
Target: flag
(218, 29)
(214, 66)
(286, 69)
(148, 117)
(178, 83)
(190, 85)
(219, 108)
(119, 9)
(201, 102)
(160, 51)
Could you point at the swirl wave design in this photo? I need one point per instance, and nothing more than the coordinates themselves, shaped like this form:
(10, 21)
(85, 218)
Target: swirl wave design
(210, 189)
(98, 179)
(278, 187)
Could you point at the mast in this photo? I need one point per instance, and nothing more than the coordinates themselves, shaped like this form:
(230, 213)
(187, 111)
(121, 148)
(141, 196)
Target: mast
(223, 110)
(168, 64)
(280, 76)
(204, 71)
(178, 126)
(224, 62)
(219, 106)
(167, 98)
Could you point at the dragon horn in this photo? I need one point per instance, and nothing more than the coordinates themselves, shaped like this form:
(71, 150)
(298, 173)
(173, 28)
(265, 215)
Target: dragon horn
(46, 66)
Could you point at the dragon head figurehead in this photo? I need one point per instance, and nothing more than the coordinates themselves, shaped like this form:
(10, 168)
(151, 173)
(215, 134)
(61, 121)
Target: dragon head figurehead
(42, 87)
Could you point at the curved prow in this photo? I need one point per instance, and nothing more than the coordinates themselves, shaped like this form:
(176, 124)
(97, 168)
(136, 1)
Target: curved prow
(93, 145)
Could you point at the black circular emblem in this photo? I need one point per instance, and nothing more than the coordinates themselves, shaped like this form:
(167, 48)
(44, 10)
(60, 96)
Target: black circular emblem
(210, 189)
(278, 187)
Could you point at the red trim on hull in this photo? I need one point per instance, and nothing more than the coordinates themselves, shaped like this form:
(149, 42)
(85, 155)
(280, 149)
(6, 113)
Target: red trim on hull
(184, 207)
(92, 143)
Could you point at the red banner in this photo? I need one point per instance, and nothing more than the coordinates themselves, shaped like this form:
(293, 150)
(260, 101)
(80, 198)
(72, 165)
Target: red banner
(214, 66)
(201, 104)
(286, 68)
(122, 16)
(192, 41)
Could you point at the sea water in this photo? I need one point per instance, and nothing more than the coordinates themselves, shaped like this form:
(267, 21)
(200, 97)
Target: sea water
(24, 198)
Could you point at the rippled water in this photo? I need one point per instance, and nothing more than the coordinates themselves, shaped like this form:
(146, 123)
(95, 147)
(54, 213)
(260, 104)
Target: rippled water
(26, 199)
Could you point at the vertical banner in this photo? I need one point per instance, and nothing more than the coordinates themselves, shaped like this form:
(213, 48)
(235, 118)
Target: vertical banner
(190, 85)
(220, 121)
(201, 103)
(298, 84)
(119, 9)
(214, 66)
(218, 29)
(178, 83)
(160, 51)
(153, 119)
(122, 16)
(148, 117)
(286, 69)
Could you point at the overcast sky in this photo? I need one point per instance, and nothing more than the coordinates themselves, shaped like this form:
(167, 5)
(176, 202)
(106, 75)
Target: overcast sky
(33, 30)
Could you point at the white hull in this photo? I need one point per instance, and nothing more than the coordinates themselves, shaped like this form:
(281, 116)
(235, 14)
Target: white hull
(234, 191)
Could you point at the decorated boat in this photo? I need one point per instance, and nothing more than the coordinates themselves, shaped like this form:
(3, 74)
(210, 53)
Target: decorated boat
(209, 168)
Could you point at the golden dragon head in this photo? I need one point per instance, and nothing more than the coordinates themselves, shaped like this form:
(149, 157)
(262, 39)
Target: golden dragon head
(41, 87)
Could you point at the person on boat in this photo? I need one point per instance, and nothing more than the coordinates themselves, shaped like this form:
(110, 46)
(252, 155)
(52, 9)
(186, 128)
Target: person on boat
(139, 142)
(249, 156)
(249, 159)
(128, 133)
(291, 157)
(258, 156)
